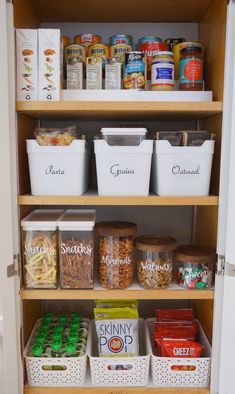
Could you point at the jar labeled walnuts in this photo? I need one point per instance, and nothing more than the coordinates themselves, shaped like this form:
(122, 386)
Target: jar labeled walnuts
(155, 261)
(116, 263)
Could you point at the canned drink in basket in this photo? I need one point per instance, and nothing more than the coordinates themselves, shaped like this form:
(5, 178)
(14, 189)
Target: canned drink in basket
(135, 71)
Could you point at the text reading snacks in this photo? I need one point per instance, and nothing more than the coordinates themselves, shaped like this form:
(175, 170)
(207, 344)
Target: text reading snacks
(58, 346)
(59, 244)
(89, 63)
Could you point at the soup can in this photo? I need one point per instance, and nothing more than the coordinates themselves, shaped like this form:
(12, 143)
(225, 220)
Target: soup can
(148, 40)
(150, 50)
(87, 39)
(75, 51)
(118, 51)
(99, 50)
(135, 71)
(121, 39)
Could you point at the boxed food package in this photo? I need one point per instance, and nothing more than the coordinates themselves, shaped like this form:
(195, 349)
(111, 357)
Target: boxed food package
(27, 64)
(49, 64)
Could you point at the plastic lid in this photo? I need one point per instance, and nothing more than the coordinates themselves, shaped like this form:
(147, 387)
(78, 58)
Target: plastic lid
(57, 336)
(195, 254)
(62, 319)
(41, 219)
(57, 345)
(73, 337)
(70, 348)
(77, 219)
(59, 328)
(43, 331)
(75, 325)
(155, 243)
(190, 44)
(44, 325)
(40, 339)
(48, 316)
(37, 350)
(123, 131)
(117, 228)
(162, 53)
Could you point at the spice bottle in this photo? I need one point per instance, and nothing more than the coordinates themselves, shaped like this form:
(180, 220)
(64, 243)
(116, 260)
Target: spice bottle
(155, 261)
(116, 264)
(195, 266)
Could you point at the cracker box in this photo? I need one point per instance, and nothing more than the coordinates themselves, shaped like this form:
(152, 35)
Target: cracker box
(27, 64)
(49, 59)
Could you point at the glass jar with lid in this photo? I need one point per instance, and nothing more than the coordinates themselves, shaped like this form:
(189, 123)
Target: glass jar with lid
(155, 261)
(195, 266)
(162, 71)
(191, 66)
(116, 263)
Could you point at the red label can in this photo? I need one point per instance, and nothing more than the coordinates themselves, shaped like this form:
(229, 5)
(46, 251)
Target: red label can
(151, 49)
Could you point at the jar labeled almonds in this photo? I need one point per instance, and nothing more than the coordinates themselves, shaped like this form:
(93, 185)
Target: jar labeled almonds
(116, 264)
(155, 261)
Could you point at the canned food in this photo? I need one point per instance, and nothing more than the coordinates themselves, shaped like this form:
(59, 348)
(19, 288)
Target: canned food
(162, 73)
(118, 51)
(66, 41)
(75, 51)
(87, 39)
(134, 71)
(99, 50)
(148, 40)
(121, 39)
(171, 42)
(151, 49)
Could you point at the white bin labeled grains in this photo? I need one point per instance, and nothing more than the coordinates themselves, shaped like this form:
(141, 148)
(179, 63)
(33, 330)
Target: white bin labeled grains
(58, 170)
(181, 170)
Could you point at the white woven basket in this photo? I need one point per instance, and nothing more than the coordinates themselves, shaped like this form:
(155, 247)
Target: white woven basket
(161, 367)
(74, 373)
(137, 373)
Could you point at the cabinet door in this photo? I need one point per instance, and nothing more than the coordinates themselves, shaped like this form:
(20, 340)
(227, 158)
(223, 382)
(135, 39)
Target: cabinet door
(223, 361)
(9, 309)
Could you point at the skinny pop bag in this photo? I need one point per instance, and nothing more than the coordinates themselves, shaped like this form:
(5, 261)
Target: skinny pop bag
(117, 332)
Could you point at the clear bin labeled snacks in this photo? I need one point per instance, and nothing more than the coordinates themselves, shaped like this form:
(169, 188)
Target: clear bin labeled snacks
(123, 136)
(116, 263)
(39, 248)
(195, 266)
(76, 248)
(155, 261)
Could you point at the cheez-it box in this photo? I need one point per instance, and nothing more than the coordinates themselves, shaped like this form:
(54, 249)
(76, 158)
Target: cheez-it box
(49, 67)
(27, 64)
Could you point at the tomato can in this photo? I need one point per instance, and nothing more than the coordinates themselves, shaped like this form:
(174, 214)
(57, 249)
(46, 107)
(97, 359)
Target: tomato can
(151, 49)
(87, 39)
(135, 71)
(118, 51)
(99, 50)
(121, 39)
(148, 40)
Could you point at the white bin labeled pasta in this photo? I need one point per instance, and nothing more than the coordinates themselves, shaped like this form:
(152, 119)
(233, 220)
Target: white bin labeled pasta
(58, 170)
(181, 170)
(123, 167)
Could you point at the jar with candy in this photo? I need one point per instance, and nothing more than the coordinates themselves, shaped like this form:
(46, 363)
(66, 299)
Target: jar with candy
(191, 66)
(195, 266)
(155, 261)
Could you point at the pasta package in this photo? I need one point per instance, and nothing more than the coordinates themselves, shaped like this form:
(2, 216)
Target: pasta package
(55, 136)
(117, 331)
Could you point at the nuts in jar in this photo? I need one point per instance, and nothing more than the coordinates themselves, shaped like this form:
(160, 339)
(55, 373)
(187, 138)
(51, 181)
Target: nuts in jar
(195, 266)
(155, 261)
(116, 264)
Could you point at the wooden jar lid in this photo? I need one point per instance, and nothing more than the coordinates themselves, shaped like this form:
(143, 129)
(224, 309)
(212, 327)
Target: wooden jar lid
(119, 229)
(195, 254)
(155, 243)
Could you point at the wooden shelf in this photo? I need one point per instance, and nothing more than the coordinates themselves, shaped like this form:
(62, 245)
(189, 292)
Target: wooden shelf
(119, 109)
(113, 390)
(91, 198)
(118, 11)
(133, 293)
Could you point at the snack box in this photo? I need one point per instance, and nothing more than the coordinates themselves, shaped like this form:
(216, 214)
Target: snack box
(49, 64)
(27, 64)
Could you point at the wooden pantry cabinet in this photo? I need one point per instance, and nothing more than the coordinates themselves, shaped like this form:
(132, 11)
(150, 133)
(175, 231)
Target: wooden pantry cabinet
(208, 18)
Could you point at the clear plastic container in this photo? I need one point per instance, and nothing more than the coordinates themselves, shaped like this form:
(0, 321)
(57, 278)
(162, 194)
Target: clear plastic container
(123, 136)
(39, 233)
(76, 248)
(116, 263)
(195, 266)
(155, 261)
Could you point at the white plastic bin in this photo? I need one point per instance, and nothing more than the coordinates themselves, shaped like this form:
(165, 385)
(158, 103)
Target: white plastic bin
(58, 170)
(123, 170)
(181, 170)
(120, 371)
(167, 371)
